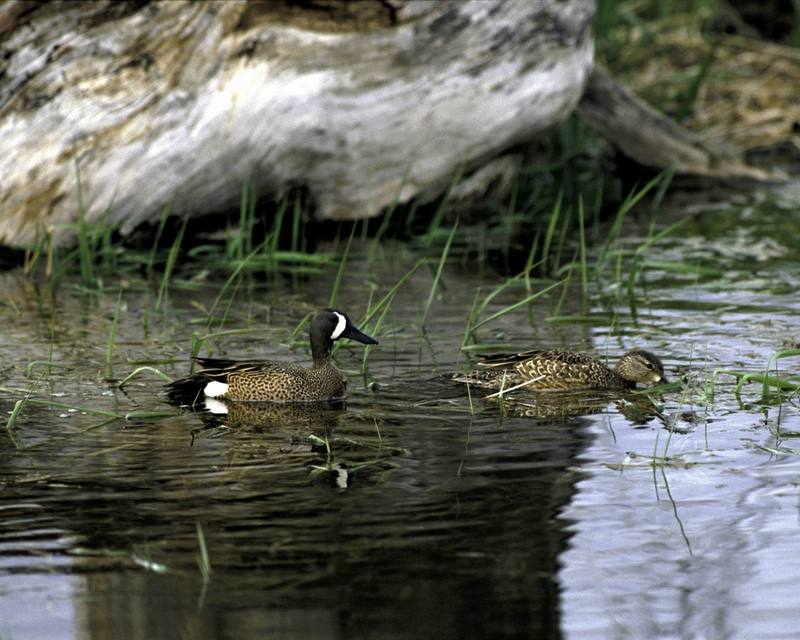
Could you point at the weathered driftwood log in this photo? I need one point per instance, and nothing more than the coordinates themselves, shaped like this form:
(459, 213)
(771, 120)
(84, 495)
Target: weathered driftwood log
(178, 102)
(652, 139)
(360, 102)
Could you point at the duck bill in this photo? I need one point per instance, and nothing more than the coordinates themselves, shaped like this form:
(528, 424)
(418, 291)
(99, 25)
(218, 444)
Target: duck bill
(354, 334)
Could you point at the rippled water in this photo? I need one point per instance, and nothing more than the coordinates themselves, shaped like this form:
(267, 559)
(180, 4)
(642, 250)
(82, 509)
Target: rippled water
(428, 513)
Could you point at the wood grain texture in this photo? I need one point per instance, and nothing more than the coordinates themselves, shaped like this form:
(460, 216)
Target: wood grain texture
(181, 101)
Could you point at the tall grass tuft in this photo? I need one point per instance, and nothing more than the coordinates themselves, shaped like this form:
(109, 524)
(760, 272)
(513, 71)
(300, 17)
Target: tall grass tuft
(297, 218)
(172, 258)
(84, 248)
(555, 213)
(387, 217)
(582, 246)
(438, 216)
(633, 197)
(241, 242)
(165, 213)
(512, 307)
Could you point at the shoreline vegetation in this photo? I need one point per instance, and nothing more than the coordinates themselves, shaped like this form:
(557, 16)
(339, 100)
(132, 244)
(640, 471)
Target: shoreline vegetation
(679, 56)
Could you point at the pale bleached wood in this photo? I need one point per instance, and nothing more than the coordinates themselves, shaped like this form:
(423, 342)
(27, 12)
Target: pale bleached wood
(181, 101)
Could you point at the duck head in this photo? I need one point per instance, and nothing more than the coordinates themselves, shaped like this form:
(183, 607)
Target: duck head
(330, 325)
(641, 367)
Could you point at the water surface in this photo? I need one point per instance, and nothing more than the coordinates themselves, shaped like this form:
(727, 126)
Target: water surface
(429, 512)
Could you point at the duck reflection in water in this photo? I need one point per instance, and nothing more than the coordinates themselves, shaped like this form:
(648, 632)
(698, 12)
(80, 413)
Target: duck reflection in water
(317, 417)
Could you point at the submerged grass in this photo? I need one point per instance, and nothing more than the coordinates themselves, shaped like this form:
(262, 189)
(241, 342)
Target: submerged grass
(50, 404)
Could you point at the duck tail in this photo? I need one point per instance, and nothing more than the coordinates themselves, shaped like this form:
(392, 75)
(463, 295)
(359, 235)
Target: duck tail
(186, 391)
(485, 379)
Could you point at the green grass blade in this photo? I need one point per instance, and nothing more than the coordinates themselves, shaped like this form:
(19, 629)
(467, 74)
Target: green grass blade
(631, 200)
(773, 362)
(48, 364)
(203, 561)
(12, 421)
(340, 272)
(84, 246)
(517, 305)
(172, 258)
(438, 216)
(387, 298)
(551, 226)
(112, 337)
(582, 246)
(697, 82)
(438, 274)
(139, 370)
(231, 279)
(165, 213)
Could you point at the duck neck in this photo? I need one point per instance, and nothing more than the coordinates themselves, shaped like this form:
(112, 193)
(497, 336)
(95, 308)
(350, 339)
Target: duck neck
(321, 352)
(617, 380)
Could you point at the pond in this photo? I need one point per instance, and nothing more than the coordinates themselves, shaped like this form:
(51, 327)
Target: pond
(422, 509)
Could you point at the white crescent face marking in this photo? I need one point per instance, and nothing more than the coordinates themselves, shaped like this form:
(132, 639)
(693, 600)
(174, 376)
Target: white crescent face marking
(339, 326)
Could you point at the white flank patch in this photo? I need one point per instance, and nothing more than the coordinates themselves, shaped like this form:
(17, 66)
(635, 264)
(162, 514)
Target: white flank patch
(339, 325)
(216, 406)
(215, 389)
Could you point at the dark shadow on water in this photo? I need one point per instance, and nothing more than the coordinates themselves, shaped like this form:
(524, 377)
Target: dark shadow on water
(447, 526)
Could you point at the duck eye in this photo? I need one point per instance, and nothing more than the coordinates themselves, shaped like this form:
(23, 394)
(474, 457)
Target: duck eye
(649, 365)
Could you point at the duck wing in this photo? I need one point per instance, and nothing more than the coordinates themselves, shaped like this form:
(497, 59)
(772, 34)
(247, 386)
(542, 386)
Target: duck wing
(510, 360)
(220, 369)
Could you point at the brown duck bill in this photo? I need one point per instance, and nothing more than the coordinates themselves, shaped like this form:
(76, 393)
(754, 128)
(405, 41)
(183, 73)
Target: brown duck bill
(354, 334)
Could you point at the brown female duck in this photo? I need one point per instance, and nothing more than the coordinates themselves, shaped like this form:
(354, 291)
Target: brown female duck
(565, 370)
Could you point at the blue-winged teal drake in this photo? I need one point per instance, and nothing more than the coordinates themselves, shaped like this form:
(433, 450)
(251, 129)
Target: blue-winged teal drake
(264, 381)
(564, 370)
